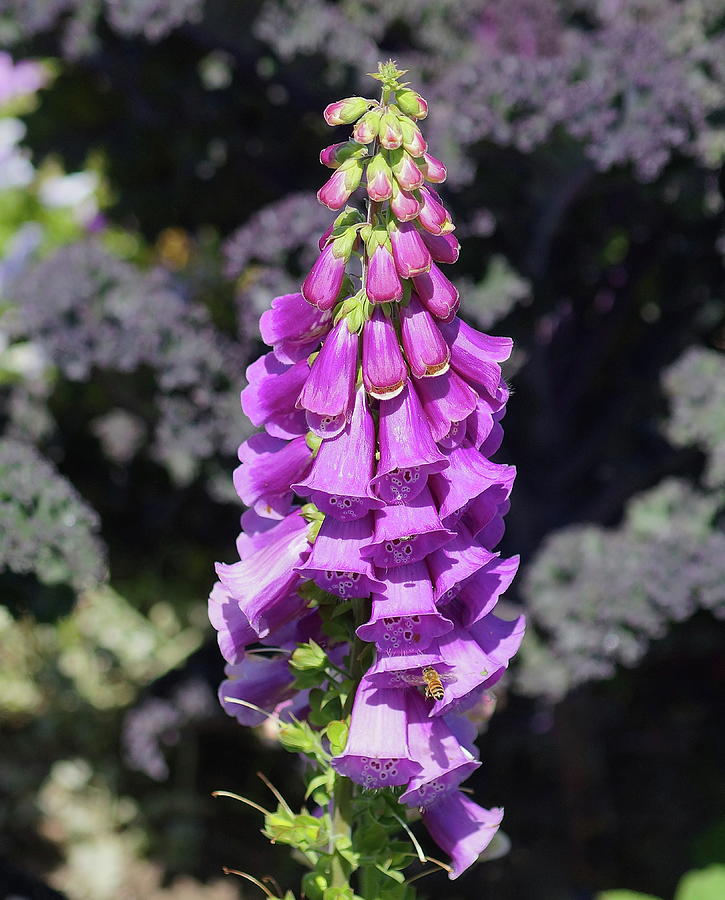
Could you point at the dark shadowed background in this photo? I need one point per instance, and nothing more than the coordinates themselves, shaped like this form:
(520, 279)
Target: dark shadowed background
(158, 163)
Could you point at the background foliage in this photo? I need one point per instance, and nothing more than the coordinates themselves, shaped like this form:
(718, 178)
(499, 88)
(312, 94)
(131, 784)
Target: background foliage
(158, 164)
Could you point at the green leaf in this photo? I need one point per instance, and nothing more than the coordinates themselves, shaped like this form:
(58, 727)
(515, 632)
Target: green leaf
(702, 884)
(625, 895)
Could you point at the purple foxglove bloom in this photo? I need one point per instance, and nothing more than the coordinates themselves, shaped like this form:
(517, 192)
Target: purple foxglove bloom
(437, 293)
(269, 397)
(335, 563)
(339, 483)
(328, 393)
(408, 175)
(403, 670)
(268, 467)
(408, 454)
(479, 594)
(426, 351)
(382, 284)
(376, 755)
(345, 112)
(266, 577)
(325, 235)
(462, 829)
(475, 355)
(409, 252)
(433, 216)
(233, 629)
(491, 443)
(335, 192)
(260, 680)
(406, 532)
(383, 367)
(413, 140)
(445, 763)
(478, 513)
(446, 400)
(444, 248)
(455, 436)
(435, 170)
(453, 563)
(330, 156)
(467, 477)
(293, 328)
(324, 281)
(405, 619)
(480, 425)
(403, 204)
(490, 536)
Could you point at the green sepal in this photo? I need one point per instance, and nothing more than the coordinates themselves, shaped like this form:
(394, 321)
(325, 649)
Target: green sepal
(309, 656)
(314, 442)
(351, 150)
(314, 885)
(390, 120)
(390, 75)
(336, 733)
(300, 830)
(343, 245)
(314, 595)
(378, 238)
(321, 787)
(298, 737)
(315, 517)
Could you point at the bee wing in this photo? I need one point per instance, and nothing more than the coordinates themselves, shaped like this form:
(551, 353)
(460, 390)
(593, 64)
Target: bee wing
(411, 678)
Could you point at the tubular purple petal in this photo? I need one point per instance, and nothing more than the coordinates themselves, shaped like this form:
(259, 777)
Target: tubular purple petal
(383, 367)
(260, 680)
(382, 284)
(233, 629)
(468, 475)
(426, 351)
(324, 281)
(408, 454)
(335, 563)
(453, 563)
(402, 670)
(403, 204)
(446, 400)
(328, 393)
(479, 594)
(293, 328)
(462, 829)
(339, 482)
(411, 255)
(433, 216)
(269, 397)
(444, 248)
(476, 355)
(439, 296)
(435, 171)
(268, 467)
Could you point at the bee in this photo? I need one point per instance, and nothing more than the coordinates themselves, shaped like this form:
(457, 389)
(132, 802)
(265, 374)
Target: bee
(431, 679)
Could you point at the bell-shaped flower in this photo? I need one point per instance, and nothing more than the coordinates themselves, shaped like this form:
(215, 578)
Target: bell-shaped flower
(234, 632)
(480, 424)
(383, 367)
(405, 619)
(408, 175)
(328, 393)
(490, 536)
(438, 295)
(443, 248)
(270, 394)
(335, 563)
(324, 281)
(293, 328)
(479, 594)
(403, 670)
(257, 681)
(475, 355)
(453, 563)
(462, 829)
(491, 443)
(480, 511)
(447, 400)
(382, 282)
(376, 754)
(403, 204)
(268, 466)
(468, 475)
(406, 532)
(408, 453)
(265, 577)
(433, 216)
(339, 482)
(335, 192)
(445, 762)
(435, 171)
(409, 252)
(426, 351)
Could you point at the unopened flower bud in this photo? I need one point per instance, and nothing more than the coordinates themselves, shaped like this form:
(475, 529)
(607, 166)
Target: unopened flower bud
(336, 154)
(345, 112)
(435, 171)
(383, 367)
(336, 191)
(433, 216)
(389, 131)
(324, 281)
(382, 283)
(403, 204)
(411, 255)
(408, 175)
(413, 140)
(379, 179)
(444, 248)
(366, 130)
(412, 104)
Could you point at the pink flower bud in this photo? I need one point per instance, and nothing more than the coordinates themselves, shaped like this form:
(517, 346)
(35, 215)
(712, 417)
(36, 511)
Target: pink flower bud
(412, 104)
(433, 216)
(345, 112)
(383, 366)
(435, 170)
(427, 352)
(336, 191)
(328, 231)
(336, 154)
(409, 252)
(366, 130)
(382, 283)
(323, 283)
(413, 140)
(437, 294)
(444, 248)
(403, 204)
(379, 179)
(390, 132)
(408, 175)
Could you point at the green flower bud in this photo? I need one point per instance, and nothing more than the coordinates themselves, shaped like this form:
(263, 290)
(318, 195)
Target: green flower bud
(412, 103)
